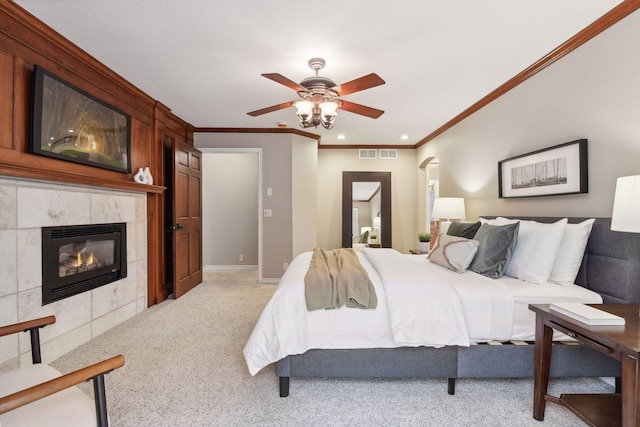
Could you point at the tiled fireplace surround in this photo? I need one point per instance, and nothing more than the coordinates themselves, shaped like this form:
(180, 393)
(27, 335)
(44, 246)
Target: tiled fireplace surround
(25, 207)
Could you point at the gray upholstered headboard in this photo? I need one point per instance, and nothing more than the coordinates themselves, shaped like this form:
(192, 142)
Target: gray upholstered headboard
(611, 263)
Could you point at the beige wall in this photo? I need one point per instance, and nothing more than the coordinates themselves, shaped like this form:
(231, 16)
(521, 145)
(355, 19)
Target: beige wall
(404, 206)
(592, 93)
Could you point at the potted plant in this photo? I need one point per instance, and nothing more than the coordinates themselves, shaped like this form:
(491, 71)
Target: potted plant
(424, 238)
(373, 237)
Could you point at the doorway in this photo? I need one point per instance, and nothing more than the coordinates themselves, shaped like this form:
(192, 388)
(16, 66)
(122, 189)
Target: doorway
(232, 224)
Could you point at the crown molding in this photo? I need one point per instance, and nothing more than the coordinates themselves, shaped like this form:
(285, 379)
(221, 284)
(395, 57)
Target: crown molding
(607, 20)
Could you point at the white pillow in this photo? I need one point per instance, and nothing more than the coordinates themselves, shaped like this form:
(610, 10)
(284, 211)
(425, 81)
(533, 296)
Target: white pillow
(536, 250)
(569, 258)
(500, 220)
(490, 221)
(454, 253)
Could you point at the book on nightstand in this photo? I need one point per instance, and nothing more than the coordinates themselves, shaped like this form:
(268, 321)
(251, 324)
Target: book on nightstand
(586, 314)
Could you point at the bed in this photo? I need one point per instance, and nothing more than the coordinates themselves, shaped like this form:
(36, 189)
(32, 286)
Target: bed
(381, 346)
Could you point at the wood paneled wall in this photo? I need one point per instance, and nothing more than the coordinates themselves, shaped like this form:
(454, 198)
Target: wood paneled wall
(25, 42)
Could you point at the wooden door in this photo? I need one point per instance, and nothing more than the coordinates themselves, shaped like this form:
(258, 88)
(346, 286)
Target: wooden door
(187, 218)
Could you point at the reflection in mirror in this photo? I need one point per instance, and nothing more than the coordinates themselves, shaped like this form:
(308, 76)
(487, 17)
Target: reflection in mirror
(366, 206)
(433, 191)
(366, 201)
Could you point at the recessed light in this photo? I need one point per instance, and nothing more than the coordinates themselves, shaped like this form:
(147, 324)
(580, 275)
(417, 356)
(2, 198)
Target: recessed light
(404, 137)
(341, 136)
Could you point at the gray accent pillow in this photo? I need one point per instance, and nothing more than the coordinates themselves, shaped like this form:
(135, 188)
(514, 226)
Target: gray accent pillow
(463, 229)
(497, 243)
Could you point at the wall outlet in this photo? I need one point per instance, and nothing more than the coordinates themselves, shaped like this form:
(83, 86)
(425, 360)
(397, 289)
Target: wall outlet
(241, 257)
(285, 265)
(268, 213)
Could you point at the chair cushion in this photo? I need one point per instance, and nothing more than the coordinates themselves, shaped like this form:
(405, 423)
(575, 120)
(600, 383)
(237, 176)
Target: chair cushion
(69, 407)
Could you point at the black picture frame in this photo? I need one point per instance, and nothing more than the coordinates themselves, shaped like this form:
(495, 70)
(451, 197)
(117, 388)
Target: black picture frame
(69, 124)
(554, 171)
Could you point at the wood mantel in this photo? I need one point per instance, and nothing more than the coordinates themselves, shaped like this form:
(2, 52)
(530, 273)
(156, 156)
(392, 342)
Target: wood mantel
(28, 173)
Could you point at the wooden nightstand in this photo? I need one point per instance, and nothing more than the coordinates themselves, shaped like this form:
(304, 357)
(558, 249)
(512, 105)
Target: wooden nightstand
(619, 342)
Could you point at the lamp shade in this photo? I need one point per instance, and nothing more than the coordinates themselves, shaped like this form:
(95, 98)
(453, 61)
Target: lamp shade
(304, 107)
(448, 208)
(329, 108)
(376, 222)
(626, 205)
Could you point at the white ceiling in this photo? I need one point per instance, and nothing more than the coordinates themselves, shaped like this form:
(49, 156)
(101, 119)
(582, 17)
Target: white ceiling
(203, 58)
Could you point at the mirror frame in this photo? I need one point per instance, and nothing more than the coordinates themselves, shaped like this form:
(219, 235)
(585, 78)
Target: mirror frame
(348, 178)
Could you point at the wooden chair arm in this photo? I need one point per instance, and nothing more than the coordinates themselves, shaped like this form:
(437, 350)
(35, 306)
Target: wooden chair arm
(25, 326)
(31, 394)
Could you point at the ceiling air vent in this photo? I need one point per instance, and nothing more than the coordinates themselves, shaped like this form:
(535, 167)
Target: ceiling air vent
(389, 154)
(367, 154)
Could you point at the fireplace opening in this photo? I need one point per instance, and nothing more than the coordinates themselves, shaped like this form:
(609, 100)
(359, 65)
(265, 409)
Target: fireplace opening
(79, 258)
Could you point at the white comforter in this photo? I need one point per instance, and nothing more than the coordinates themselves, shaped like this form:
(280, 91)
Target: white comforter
(468, 307)
(453, 308)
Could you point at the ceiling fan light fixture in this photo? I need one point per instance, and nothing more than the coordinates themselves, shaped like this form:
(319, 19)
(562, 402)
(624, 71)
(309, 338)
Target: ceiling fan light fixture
(304, 107)
(328, 113)
(305, 112)
(329, 108)
(319, 97)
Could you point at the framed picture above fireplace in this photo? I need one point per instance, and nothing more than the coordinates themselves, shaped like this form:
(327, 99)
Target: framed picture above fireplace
(70, 124)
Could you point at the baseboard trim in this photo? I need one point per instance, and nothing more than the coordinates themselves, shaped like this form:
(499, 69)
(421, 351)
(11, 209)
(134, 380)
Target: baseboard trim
(230, 267)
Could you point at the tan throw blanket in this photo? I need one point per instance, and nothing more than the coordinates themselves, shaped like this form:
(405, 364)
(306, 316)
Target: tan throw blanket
(336, 278)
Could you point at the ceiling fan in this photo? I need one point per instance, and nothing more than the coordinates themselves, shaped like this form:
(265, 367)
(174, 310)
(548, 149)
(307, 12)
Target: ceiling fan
(320, 97)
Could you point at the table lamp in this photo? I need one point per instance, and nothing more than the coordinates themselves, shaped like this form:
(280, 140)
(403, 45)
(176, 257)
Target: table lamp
(626, 205)
(376, 224)
(448, 208)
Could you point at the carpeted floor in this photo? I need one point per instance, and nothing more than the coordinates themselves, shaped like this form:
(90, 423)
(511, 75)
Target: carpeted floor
(184, 367)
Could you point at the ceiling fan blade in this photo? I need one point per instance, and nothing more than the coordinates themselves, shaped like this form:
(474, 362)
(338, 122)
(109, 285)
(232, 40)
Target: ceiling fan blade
(279, 78)
(271, 109)
(362, 83)
(363, 110)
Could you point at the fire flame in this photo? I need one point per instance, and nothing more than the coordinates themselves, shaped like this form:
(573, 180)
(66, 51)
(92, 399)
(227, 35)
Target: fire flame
(90, 260)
